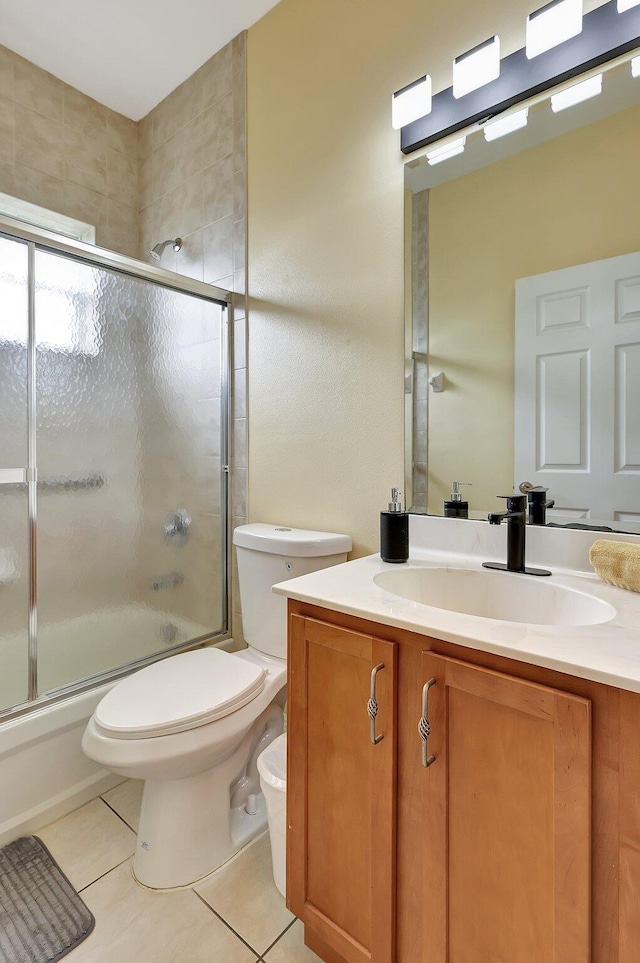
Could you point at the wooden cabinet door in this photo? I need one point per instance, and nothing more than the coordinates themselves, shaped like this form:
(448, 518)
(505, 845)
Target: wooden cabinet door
(505, 819)
(340, 789)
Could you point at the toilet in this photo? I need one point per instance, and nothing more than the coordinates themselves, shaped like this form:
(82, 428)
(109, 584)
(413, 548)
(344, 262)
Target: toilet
(193, 725)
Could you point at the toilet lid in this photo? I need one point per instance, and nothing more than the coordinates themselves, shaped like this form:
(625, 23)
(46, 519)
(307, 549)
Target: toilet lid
(181, 692)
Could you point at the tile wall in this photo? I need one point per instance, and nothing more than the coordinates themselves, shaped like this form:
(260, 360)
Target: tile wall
(193, 186)
(66, 152)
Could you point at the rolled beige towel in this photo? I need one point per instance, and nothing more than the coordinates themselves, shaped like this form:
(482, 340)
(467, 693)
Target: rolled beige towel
(617, 563)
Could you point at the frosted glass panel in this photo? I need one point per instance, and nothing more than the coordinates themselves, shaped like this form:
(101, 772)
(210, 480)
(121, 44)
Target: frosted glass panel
(129, 493)
(14, 559)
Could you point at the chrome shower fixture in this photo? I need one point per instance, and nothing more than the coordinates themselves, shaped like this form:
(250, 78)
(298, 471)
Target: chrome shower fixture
(158, 250)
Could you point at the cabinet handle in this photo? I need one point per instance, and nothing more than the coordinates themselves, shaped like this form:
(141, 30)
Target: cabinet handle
(424, 726)
(372, 707)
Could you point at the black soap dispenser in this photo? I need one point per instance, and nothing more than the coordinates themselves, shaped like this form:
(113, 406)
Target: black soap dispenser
(394, 531)
(455, 507)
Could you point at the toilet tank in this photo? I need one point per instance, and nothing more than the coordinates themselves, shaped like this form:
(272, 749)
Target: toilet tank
(271, 553)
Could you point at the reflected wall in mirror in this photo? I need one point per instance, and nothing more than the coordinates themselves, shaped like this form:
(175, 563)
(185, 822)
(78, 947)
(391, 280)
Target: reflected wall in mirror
(472, 236)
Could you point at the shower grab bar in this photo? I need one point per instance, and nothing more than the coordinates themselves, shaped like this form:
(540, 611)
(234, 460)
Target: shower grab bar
(16, 478)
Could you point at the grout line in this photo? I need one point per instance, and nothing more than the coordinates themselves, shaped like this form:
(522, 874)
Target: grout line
(228, 925)
(121, 818)
(102, 875)
(277, 940)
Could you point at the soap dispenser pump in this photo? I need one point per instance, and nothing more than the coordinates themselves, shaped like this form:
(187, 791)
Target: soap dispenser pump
(455, 507)
(394, 531)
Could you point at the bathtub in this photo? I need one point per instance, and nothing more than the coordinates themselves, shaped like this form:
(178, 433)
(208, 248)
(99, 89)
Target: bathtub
(43, 772)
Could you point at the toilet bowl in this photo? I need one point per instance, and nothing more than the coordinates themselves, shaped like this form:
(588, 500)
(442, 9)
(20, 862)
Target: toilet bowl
(193, 725)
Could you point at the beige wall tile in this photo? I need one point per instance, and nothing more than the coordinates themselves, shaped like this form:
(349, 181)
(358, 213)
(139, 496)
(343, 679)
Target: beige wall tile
(145, 135)
(177, 159)
(82, 113)
(239, 245)
(239, 405)
(217, 130)
(38, 89)
(122, 217)
(37, 141)
(6, 125)
(147, 231)
(216, 76)
(240, 443)
(239, 145)
(121, 241)
(182, 105)
(85, 158)
(122, 178)
(7, 61)
(38, 187)
(218, 190)
(6, 175)
(180, 211)
(218, 249)
(145, 181)
(190, 260)
(122, 134)
(239, 342)
(240, 193)
(84, 204)
(240, 491)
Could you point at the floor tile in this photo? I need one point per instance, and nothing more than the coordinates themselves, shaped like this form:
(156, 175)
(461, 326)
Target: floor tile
(126, 799)
(244, 894)
(291, 949)
(88, 842)
(136, 925)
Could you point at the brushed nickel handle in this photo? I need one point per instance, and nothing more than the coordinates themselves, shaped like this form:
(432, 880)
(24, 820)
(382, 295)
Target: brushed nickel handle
(372, 707)
(424, 726)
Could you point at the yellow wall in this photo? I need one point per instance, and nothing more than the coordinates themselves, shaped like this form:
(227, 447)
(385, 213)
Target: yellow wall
(572, 200)
(326, 245)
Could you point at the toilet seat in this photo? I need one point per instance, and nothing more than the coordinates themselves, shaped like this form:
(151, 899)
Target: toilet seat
(183, 692)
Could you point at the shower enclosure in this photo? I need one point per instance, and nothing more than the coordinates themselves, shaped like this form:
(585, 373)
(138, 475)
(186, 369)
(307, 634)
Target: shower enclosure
(114, 381)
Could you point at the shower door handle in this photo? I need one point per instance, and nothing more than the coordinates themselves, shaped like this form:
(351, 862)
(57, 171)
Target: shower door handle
(13, 476)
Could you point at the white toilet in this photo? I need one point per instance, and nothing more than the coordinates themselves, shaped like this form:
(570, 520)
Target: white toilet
(193, 725)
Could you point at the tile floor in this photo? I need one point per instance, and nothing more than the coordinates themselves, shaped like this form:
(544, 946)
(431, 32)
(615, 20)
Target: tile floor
(233, 916)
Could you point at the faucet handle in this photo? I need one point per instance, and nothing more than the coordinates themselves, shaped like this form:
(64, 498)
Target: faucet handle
(515, 503)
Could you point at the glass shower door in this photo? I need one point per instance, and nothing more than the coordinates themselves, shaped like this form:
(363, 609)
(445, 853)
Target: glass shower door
(130, 475)
(14, 513)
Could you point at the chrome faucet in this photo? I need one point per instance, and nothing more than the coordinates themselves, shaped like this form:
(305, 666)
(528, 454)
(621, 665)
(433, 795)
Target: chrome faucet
(516, 516)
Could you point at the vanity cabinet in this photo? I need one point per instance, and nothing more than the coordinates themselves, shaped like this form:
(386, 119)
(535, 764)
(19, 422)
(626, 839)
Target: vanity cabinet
(520, 841)
(341, 794)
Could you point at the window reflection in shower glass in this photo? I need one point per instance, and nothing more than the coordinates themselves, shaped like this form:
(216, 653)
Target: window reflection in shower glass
(129, 493)
(14, 532)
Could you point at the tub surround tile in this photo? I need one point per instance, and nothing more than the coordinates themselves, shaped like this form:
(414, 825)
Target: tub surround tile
(216, 76)
(38, 89)
(126, 800)
(122, 178)
(218, 249)
(6, 125)
(82, 113)
(219, 199)
(290, 948)
(217, 136)
(85, 204)
(6, 174)
(89, 842)
(37, 141)
(39, 187)
(243, 893)
(135, 925)
(85, 158)
(123, 134)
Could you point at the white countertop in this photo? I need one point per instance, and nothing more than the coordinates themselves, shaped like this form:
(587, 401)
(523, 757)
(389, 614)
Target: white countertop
(608, 652)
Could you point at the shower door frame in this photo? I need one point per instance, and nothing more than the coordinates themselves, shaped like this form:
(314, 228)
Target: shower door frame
(39, 238)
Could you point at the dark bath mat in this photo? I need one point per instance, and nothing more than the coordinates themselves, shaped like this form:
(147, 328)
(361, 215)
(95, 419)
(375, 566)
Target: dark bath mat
(42, 918)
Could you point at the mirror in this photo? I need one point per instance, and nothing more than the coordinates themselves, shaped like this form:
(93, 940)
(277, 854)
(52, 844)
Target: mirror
(522, 282)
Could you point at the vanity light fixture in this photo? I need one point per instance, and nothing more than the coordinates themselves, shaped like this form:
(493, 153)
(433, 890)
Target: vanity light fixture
(451, 149)
(506, 125)
(411, 103)
(577, 94)
(605, 37)
(552, 24)
(476, 67)
(626, 5)
(635, 67)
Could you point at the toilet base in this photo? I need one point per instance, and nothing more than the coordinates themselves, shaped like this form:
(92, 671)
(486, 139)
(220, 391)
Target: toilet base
(189, 827)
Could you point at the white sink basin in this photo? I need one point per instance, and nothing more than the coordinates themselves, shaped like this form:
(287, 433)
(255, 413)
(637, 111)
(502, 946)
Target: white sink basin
(495, 595)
